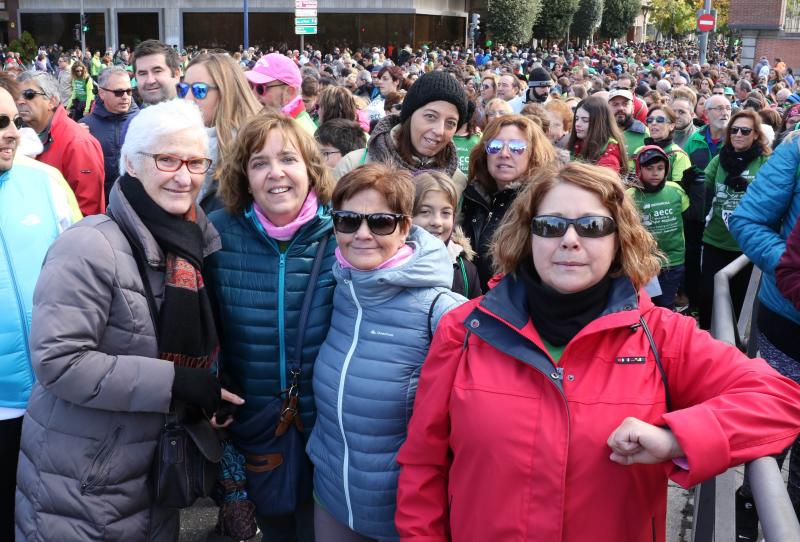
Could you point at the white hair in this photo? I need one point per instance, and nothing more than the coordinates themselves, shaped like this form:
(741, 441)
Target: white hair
(664, 86)
(155, 124)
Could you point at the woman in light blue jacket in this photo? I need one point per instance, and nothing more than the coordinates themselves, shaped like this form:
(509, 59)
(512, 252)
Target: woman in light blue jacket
(393, 286)
(760, 224)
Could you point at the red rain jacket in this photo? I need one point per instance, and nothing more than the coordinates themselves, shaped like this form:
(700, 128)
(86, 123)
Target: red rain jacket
(78, 156)
(504, 446)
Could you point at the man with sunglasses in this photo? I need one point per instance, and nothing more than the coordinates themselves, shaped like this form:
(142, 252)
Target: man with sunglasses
(112, 111)
(68, 147)
(276, 83)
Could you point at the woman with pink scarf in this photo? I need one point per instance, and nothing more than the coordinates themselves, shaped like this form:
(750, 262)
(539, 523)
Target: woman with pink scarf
(393, 283)
(272, 287)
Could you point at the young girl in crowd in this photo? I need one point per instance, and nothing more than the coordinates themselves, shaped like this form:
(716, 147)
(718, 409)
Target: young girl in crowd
(661, 204)
(435, 203)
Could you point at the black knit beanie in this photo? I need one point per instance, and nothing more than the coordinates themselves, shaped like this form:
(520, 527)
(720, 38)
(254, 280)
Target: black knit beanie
(432, 87)
(540, 78)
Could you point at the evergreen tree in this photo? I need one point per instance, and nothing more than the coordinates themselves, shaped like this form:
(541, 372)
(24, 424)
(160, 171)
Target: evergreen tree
(618, 16)
(511, 21)
(554, 22)
(586, 18)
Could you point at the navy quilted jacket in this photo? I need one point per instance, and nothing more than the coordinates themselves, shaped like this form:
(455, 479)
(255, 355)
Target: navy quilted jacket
(258, 290)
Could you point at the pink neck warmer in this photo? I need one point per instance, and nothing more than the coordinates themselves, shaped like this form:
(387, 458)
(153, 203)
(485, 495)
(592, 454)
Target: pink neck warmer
(284, 233)
(402, 255)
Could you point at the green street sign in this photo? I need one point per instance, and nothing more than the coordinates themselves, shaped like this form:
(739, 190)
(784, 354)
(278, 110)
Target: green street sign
(305, 29)
(305, 21)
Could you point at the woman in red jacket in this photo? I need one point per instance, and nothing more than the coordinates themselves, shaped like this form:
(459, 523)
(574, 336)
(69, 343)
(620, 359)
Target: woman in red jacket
(595, 137)
(556, 406)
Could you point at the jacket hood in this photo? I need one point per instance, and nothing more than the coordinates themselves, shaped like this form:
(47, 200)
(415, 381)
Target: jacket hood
(29, 143)
(101, 111)
(428, 267)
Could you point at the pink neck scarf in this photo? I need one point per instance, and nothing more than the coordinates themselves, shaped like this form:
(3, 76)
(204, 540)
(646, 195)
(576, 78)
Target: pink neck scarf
(402, 255)
(283, 233)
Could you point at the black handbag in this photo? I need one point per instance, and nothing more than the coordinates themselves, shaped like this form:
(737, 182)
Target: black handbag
(184, 466)
(279, 475)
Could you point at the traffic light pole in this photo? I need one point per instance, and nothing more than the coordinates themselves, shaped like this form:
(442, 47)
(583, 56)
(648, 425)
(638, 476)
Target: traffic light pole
(83, 35)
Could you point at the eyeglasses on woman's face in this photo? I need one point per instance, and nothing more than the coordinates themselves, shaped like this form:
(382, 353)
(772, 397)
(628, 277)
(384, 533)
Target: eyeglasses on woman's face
(378, 223)
(170, 163)
(199, 90)
(515, 146)
(745, 131)
(657, 119)
(585, 226)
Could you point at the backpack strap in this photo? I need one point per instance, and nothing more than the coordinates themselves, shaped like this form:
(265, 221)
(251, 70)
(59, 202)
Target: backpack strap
(363, 157)
(660, 366)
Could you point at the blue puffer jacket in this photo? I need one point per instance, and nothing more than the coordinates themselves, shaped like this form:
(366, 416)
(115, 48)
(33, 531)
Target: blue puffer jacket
(764, 218)
(258, 291)
(365, 381)
(29, 223)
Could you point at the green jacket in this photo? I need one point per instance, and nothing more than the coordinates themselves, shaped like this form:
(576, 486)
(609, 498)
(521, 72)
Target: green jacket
(700, 154)
(97, 67)
(661, 214)
(87, 85)
(724, 203)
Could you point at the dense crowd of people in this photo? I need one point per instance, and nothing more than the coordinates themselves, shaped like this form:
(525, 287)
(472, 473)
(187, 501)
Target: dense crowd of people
(390, 294)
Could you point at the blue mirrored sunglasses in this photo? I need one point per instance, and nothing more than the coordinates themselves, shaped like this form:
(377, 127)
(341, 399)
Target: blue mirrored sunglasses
(200, 90)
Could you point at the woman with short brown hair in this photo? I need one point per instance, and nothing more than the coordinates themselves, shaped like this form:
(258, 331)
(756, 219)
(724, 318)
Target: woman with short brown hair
(276, 224)
(565, 389)
(392, 286)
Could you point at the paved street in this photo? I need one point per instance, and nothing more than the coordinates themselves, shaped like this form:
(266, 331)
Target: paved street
(197, 523)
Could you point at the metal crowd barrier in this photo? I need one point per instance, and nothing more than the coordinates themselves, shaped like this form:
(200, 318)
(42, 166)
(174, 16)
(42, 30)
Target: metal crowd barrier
(714, 500)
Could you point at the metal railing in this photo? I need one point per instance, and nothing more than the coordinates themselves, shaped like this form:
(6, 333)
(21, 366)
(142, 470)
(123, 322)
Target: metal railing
(714, 500)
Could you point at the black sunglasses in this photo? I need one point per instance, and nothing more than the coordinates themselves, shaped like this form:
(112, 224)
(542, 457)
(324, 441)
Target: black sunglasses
(29, 94)
(378, 223)
(741, 130)
(200, 90)
(585, 226)
(262, 88)
(120, 92)
(5, 121)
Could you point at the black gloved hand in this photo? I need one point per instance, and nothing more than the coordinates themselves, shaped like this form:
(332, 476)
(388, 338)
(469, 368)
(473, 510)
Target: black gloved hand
(689, 176)
(197, 387)
(227, 410)
(736, 182)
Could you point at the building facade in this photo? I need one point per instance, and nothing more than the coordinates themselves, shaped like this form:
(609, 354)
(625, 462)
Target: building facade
(220, 23)
(768, 28)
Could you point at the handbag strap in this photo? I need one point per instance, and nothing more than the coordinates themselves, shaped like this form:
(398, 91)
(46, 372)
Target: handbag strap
(658, 362)
(306, 307)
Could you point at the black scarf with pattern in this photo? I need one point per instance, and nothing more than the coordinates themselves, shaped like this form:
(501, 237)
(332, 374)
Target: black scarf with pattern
(187, 335)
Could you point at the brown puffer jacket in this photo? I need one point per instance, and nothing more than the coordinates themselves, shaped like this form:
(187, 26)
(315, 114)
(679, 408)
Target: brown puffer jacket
(90, 431)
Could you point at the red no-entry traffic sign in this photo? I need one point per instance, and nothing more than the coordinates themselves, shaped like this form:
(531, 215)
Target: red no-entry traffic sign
(706, 22)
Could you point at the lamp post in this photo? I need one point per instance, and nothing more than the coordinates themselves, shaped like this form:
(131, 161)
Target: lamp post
(246, 43)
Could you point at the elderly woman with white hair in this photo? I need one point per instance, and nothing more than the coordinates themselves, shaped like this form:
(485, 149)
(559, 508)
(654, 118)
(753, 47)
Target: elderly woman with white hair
(122, 334)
